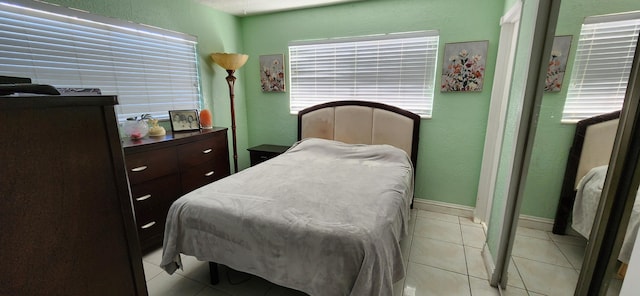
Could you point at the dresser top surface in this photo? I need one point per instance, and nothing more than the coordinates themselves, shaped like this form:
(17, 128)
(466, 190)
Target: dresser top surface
(171, 138)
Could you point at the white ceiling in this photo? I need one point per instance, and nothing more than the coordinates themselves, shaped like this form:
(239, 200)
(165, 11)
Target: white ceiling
(251, 7)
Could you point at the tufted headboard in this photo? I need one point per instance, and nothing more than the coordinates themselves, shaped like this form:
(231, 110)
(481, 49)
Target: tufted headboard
(592, 146)
(597, 147)
(362, 122)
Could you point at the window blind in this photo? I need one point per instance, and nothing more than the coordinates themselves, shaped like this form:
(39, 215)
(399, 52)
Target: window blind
(602, 65)
(149, 69)
(396, 69)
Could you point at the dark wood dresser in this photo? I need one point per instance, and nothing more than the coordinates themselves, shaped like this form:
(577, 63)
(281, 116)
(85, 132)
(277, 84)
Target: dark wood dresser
(66, 219)
(162, 169)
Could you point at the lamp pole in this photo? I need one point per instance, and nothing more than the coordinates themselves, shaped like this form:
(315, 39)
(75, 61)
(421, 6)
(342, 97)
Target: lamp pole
(231, 80)
(231, 62)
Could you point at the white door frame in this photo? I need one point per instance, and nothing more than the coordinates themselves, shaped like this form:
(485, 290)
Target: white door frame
(546, 18)
(509, 23)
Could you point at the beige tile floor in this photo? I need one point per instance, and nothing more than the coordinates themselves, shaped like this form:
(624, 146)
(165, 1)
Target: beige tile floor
(547, 264)
(443, 254)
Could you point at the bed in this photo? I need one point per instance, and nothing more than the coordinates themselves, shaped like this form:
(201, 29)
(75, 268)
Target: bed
(591, 147)
(584, 180)
(325, 217)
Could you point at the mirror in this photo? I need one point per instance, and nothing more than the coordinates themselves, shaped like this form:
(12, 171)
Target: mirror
(544, 260)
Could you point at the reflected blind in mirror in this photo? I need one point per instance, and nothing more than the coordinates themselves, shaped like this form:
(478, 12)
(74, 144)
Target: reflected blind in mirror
(602, 65)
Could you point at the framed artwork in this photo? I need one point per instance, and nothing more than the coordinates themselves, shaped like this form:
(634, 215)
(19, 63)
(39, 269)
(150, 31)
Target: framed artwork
(557, 63)
(184, 120)
(463, 66)
(272, 73)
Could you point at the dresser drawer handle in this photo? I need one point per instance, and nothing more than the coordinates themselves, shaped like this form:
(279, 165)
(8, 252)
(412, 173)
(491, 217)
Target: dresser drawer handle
(209, 174)
(143, 197)
(207, 151)
(148, 225)
(139, 169)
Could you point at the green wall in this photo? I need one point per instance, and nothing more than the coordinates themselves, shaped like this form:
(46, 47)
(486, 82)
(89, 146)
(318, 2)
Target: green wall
(451, 141)
(451, 144)
(216, 32)
(508, 4)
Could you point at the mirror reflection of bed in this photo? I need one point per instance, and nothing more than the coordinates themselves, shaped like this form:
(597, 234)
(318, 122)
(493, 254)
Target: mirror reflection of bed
(584, 178)
(556, 253)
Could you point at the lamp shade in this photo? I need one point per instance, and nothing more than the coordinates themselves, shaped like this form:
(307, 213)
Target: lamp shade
(229, 61)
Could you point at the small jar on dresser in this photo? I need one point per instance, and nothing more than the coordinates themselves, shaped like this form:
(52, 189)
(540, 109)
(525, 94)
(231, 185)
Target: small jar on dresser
(161, 169)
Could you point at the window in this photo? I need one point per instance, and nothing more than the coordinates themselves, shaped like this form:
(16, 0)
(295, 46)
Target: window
(151, 70)
(396, 69)
(602, 65)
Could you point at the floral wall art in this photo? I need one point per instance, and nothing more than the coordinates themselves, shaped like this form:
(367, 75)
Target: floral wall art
(272, 73)
(463, 67)
(557, 63)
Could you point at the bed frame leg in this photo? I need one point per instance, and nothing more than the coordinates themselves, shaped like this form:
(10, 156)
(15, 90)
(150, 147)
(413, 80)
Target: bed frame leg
(214, 277)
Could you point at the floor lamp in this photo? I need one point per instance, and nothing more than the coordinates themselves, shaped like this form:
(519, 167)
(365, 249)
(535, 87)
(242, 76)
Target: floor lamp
(231, 62)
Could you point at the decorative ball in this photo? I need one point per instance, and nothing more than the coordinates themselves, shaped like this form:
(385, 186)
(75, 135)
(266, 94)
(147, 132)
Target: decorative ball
(135, 129)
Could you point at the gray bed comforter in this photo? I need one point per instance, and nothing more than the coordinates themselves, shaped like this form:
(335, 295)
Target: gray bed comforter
(586, 205)
(324, 218)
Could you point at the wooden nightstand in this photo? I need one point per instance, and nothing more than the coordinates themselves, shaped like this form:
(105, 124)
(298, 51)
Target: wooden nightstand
(263, 152)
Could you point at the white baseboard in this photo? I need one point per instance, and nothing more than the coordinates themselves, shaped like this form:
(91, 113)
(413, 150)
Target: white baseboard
(544, 224)
(488, 261)
(442, 207)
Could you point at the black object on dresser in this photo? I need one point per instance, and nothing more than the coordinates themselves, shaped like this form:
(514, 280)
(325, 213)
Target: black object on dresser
(162, 169)
(264, 152)
(66, 220)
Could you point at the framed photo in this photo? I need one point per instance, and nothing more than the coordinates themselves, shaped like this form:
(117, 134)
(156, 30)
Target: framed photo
(463, 66)
(557, 63)
(272, 73)
(184, 120)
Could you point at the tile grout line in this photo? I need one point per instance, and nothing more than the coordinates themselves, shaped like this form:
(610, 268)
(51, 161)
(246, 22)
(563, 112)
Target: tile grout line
(439, 240)
(520, 275)
(153, 277)
(466, 260)
(200, 291)
(457, 244)
(565, 255)
(466, 265)
(542, 262)
(556, 246)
